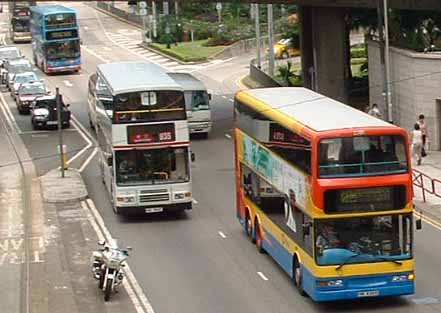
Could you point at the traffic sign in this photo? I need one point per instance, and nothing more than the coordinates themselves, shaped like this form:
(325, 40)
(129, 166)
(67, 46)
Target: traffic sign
(142, 11)
(142, 4)
(219, 6)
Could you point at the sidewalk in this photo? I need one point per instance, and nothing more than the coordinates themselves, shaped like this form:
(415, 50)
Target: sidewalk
(429, 171)
(64, 282)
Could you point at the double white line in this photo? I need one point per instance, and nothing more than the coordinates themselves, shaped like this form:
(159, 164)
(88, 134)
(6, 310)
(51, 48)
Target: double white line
(134, 290)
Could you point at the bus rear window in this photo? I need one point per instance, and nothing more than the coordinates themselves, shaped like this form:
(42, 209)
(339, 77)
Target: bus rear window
(362, 156)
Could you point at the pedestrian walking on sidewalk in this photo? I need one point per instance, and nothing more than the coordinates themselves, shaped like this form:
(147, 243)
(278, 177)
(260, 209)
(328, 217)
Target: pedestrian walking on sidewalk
(375, 111)
(417, 143)
(423, 128)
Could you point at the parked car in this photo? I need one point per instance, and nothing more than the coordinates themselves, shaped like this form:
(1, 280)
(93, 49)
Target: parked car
(44, 112)
(284, 49)
(14, 66)
(27, 93)
(22, 78)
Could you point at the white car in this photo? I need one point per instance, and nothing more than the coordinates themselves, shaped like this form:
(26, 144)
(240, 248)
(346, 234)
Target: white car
(22, 78)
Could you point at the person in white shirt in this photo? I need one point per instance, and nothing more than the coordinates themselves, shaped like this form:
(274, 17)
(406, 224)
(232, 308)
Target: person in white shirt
(375, 111)
(417, 143)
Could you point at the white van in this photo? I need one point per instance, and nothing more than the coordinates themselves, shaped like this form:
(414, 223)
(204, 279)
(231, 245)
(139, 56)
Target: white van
(197, 102)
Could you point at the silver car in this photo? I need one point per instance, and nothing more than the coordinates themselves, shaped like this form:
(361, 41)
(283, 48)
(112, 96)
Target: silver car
(15, 66)
(22, 78)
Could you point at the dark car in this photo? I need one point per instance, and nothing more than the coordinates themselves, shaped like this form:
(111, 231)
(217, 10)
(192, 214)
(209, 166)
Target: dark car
(27, 93)
(44, 113)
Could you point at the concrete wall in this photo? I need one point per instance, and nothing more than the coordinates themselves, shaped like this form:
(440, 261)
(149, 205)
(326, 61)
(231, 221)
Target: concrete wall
(416, 86)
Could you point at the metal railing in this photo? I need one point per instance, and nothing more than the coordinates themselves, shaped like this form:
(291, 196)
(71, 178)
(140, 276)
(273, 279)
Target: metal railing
(427, 184)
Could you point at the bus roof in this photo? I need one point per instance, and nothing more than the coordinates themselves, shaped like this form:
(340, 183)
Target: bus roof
(124, 77)
(308, 108)
(51, 9)
(187, 81)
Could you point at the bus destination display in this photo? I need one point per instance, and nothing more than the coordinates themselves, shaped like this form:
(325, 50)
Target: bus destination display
(61, 34)
(156, 133)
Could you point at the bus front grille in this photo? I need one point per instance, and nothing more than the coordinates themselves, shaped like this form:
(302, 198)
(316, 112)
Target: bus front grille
(153, 196)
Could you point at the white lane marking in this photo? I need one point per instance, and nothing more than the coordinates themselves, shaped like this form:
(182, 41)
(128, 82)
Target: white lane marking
(195, 201)
(137, 289)
(262, 276)
(81, 169)
(225, 97)
(231, 100)
(8, 114)
(86, 28)
(101, 237)
(40, 136)
(95, 54)
(67, 83)
(228, 136)
(222, 234)
(107, 48)
(89, 143)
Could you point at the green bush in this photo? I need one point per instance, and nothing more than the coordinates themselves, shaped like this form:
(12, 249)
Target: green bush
(358, 53)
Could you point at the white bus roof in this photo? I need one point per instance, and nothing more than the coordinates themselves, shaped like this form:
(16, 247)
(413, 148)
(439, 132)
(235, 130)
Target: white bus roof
(187, 81)
(314, 110)
(124, 77)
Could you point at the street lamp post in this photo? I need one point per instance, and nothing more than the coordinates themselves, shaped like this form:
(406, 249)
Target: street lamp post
(388, 88)
(270, 41)
(257, 25)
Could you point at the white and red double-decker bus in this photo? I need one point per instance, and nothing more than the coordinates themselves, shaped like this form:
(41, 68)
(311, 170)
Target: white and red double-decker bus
(139, 115)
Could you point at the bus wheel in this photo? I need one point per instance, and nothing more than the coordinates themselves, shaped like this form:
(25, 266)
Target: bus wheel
(248, 226)
(259, 239)
(298, 277)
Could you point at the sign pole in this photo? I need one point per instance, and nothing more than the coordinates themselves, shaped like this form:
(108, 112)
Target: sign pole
(60, 130)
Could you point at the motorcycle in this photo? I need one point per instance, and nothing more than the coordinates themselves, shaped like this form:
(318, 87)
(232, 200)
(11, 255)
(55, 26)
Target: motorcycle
(107, 264)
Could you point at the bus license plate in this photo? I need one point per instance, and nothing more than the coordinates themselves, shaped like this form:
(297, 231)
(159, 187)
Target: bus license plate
(154, 210)
(371, 293)
(52, 122)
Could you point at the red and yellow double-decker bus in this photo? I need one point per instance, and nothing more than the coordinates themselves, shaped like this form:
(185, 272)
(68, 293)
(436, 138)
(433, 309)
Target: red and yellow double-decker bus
(326, 191)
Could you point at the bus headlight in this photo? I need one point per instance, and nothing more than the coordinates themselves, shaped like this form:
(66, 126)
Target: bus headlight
(403, 277)
(329, 283)
(182, 195)
(125, 199)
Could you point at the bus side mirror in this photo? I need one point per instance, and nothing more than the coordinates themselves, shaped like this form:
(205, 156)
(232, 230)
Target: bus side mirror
(110, 161)
(419, 224)
(209, 96)
(193, 157)
(306, 229)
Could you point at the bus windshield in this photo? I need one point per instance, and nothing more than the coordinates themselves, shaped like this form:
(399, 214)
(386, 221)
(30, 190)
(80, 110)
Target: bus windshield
(362, 156)
(60, 20)
(153, 166)
(162, 105)
(363, 239)
(20, 25)
(63, 50)
(196, 100)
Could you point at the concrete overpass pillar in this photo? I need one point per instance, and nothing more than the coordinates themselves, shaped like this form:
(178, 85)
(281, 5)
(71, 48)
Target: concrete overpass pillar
(323, 39)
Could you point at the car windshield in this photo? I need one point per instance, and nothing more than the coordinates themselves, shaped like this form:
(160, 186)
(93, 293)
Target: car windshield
(196, 100)
(32, 90)
(9, 54)
(363, 239)
(63, 50)
(153, 166)
(20, 67)
(47, 104)
(362, 156)
(20, 79)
